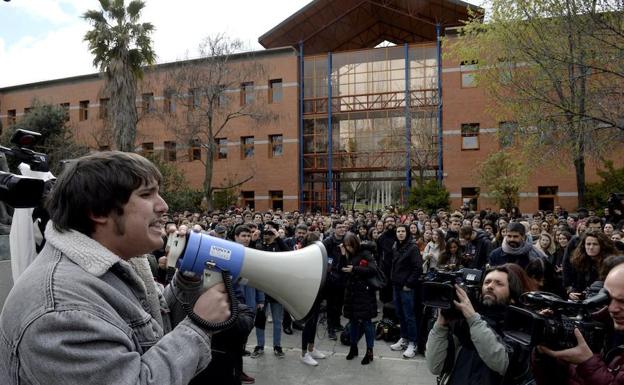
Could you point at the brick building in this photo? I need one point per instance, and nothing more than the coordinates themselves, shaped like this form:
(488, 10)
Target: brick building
(398, 113)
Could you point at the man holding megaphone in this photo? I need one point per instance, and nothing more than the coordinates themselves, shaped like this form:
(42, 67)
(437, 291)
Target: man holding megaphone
(87, 309)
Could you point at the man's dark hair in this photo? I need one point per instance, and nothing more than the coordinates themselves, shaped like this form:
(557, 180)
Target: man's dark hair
(271, 224)
(466, 231)
(97, 184)
(336, 223)
(516, 227)
(241, 229)
(302, 226)
(594, 220)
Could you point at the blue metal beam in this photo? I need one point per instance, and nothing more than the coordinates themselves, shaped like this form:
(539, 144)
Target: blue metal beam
(301, 179)
(330, 181)
(408, 125)
(440, 173)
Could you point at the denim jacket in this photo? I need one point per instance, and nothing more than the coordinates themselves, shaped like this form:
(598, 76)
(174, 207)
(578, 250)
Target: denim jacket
(79, 314)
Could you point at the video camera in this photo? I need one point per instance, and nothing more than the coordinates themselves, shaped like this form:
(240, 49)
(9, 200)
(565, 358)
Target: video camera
(531, 326)
(20, 191)
(439, 289)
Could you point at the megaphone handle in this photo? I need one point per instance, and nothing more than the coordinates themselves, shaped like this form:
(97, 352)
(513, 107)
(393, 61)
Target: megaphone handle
(211, 278)
(215, 326)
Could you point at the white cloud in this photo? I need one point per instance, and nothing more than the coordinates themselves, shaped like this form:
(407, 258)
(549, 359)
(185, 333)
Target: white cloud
(180, 26)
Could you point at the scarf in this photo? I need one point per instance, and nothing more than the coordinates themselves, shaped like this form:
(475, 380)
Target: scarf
(524, 248)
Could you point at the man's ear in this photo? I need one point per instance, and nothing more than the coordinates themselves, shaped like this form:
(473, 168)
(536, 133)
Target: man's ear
(98, 219)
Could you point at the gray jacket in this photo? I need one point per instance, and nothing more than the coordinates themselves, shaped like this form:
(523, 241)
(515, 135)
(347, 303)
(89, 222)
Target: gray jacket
(490, 348)
(81, 315)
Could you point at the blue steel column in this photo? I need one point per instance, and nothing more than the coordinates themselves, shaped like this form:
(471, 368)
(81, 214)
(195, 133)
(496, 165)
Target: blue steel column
(408, 125)
(439, 49)
(301, 94)
(329, 133)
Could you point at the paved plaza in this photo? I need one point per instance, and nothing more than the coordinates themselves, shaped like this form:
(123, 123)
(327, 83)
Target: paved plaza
(387, 368)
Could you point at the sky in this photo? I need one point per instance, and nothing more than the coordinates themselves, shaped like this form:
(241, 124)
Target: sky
(43, 39)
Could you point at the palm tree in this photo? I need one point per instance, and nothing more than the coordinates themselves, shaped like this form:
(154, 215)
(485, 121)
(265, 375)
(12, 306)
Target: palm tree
(121, 46)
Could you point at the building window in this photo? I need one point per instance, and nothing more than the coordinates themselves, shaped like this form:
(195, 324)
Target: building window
(470, 197)
(276, 146)
(104, 148)
(275, 91)
(546, 197)
(148, 105)
(104, 108)
(222, 148)
(147, 149)
(11, 117)
(170, 151)
(65, 107)
(247, 93)
(194, 101)
(506, 132)
(247, 146)
(169, 105)
(83, 113)
(467, 69)
(248, 198)
(470, 136)
(277, 200)
(195, 150)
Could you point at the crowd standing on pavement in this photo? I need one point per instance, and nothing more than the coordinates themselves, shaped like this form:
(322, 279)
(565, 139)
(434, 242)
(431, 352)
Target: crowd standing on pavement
(554, 251)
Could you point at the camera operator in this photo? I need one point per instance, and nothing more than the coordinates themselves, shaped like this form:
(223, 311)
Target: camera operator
(605, 368)
(472, 349)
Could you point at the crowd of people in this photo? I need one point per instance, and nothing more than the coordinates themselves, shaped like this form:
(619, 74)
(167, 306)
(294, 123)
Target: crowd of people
(102, 302)
(551, 251)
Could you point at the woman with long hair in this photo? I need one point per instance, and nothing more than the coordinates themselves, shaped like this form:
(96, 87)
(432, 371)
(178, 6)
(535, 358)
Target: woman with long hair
(360, 303)
(433, 249)
(546, 244)
(405, 274)
(451, 258)
(586, 261)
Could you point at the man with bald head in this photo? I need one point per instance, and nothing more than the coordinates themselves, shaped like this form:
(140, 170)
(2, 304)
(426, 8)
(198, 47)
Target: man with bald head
(604, 368)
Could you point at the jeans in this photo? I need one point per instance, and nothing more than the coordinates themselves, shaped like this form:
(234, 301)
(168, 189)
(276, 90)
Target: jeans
(404, 304)
(277, 311)
(369, 332)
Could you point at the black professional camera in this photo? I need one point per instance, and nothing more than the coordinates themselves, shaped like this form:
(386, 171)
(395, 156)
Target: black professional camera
(554, 328)
(20, 191)
(439, 289)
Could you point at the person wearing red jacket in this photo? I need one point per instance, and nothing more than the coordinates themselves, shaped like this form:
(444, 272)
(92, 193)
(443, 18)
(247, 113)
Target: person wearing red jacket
(598, 369)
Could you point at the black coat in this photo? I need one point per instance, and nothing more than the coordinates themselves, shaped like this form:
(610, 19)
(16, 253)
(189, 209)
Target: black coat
(406, 264)
(360, 301)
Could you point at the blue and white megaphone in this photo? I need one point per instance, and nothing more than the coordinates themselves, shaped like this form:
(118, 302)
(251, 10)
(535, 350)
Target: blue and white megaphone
(294, 278)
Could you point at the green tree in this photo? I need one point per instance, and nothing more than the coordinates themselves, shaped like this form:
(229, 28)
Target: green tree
(174, 187)
(555, 67)
(121, 46)
(57, 139)
(612, 180)
(429, 196)
(502, 174)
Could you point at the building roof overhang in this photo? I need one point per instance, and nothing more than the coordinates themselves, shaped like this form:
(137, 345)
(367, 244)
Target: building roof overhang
(329, 25)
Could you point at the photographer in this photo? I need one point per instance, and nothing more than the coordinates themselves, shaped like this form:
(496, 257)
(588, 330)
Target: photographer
(587, 367)
(478, 353)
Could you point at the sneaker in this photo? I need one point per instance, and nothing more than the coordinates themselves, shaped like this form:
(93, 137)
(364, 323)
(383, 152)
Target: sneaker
(257, 352)
(331, 334)
(309, 360)
(277, 350)
(316, 354)
(410, 352)
(245, 379)
(401, 344)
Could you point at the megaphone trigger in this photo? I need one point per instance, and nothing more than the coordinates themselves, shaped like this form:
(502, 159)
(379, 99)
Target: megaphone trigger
(212, 275)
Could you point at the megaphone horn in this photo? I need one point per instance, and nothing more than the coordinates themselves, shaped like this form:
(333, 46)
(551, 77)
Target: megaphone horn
(293, 278)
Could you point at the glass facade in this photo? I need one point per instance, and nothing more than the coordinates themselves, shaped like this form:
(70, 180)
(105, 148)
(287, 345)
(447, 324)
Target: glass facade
(378, 98)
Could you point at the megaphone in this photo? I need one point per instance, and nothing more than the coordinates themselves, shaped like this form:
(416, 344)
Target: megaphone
(293, 278)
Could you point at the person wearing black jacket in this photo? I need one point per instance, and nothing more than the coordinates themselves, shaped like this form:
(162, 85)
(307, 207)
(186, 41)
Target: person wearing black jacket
(336, 279)
(477, 246)
(360, 305)
(405, 274)
(385, 242)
